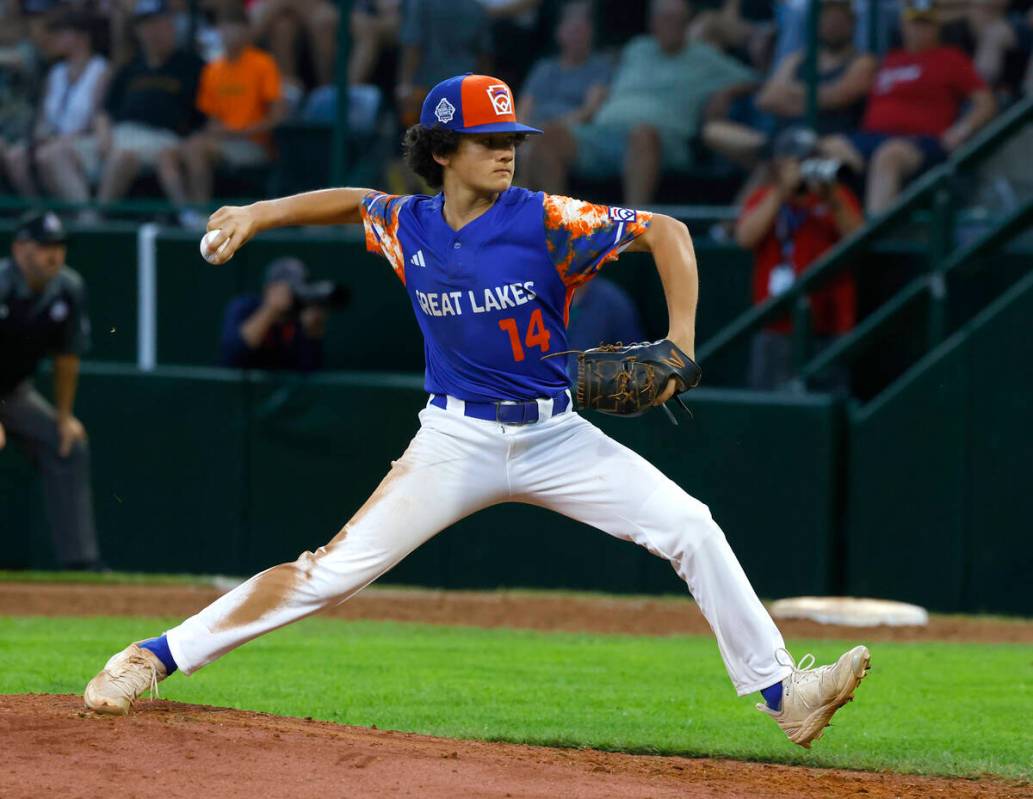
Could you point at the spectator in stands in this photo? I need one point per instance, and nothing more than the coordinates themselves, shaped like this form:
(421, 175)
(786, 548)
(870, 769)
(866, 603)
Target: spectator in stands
(24, 51)
(241, 99)
(664, 88)
(744, 28)
(291, 28)
(440, 38)
(150, 104)
(984, 33)
(375, 25)
(844, 75)
(567, 88)
(272, 331)
(515, 36)
(789, 221)
(912, 120)
(75, 88)
(570, 86)
(43, 313)
(791, 19)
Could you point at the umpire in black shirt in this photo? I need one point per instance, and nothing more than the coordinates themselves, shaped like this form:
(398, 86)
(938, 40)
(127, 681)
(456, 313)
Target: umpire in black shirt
(43, 312)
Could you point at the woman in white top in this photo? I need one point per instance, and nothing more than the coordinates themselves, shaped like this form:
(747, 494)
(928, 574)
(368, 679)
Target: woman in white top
(74, 91)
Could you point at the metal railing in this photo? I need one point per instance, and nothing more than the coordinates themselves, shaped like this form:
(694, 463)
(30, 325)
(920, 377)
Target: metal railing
(935, 190)
(933, 284)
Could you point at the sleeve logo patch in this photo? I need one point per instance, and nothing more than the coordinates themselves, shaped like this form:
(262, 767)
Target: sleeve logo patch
(622, 214)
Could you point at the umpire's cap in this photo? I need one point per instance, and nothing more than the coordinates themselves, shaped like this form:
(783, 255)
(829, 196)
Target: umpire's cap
(42, 227)
(472, 104)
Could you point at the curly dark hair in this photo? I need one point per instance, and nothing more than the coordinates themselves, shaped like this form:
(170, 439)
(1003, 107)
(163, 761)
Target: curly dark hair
(421, 144)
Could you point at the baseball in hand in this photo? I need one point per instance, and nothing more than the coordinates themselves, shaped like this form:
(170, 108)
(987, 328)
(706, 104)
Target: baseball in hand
(206, 252)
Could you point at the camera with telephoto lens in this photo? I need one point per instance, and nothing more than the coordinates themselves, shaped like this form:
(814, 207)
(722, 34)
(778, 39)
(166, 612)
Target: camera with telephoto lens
(821, 171)
(322, 294)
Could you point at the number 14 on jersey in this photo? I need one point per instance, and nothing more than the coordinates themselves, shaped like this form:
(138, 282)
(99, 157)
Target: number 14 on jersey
(536, 335)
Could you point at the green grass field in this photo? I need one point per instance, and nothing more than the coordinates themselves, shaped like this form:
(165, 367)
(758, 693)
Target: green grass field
(947, 709)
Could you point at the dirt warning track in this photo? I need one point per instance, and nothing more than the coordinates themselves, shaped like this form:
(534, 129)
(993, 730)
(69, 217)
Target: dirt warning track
(516, 609)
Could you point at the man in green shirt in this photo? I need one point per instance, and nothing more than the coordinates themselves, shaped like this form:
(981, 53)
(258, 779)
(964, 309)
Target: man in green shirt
(664, 88)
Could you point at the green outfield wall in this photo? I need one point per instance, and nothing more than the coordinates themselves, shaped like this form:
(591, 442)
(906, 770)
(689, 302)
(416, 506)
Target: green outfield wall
(939, 499)
(206, 471)
(920, 494)
(377, 332)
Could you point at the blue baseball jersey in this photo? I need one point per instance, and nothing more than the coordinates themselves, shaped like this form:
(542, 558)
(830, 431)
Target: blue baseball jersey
(493, 298)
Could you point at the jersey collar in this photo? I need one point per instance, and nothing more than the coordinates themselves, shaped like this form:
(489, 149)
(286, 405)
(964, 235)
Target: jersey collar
(438, 205)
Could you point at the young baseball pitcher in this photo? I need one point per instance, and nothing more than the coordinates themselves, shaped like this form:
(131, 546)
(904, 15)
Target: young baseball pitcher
(490, 270)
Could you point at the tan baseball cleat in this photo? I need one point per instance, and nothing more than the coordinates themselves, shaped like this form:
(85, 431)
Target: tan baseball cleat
(126, 676)
(811, 696)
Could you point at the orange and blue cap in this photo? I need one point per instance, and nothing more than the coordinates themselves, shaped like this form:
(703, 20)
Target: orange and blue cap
(472, 104)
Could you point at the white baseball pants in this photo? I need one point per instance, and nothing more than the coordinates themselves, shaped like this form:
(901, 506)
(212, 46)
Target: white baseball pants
(457, 465)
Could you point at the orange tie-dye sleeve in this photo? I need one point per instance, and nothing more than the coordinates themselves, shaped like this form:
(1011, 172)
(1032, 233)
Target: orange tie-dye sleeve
(582, 236)
(380, 222)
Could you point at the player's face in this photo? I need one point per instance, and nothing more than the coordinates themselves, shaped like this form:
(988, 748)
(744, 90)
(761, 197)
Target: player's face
(485, 162)
(41, 262)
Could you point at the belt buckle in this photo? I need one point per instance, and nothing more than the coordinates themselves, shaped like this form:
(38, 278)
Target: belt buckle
(523, 411)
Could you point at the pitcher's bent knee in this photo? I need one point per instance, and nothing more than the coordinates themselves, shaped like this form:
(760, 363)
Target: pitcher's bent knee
(674, 523)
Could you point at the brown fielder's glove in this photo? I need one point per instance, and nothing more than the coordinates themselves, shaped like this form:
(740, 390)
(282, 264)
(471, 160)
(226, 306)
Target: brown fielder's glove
(628, 380)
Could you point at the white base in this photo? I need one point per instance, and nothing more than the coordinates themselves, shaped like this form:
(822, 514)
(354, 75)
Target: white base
(850, 611)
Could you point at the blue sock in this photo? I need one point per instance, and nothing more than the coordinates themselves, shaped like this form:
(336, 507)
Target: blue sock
(160, 647)
(773, 696)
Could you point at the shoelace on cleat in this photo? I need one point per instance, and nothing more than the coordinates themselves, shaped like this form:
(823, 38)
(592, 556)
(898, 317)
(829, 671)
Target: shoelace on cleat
(127, 680)
(803, 669)
(797, 665)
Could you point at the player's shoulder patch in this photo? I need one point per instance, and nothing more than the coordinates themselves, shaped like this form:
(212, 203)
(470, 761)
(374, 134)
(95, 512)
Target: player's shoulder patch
(622, 214)
(578, 217)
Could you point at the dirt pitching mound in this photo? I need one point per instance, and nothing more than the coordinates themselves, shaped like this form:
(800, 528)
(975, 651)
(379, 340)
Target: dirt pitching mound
(52, 747)
(557, 612)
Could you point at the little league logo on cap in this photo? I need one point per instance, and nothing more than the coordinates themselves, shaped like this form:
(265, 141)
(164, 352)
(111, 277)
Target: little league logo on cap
(472, 104)
(501, 99)
(444, 111)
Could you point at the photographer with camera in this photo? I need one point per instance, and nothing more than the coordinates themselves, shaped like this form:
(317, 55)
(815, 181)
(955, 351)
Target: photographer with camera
(800, 211)
(285, 327)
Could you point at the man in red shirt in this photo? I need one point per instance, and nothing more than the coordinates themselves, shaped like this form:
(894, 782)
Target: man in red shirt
(789, 222)
(912, 119)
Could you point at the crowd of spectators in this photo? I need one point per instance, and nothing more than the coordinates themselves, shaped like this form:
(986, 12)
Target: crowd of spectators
(639, 102)
(96, 93)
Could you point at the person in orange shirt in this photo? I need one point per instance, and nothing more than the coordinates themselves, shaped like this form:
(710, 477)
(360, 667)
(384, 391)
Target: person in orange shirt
(240, 94)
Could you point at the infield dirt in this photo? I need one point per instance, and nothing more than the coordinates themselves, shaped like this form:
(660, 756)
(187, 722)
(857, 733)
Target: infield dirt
(51, 746)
